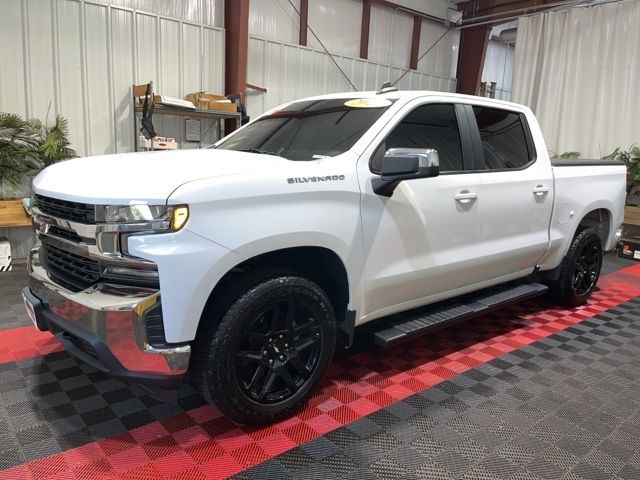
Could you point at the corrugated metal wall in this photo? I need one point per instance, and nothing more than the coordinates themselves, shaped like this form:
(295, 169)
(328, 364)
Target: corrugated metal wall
(80, 58)
(291, 71)
(337, 25)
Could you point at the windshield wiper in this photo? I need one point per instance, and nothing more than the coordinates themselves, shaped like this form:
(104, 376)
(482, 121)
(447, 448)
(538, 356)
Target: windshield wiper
(257, 150)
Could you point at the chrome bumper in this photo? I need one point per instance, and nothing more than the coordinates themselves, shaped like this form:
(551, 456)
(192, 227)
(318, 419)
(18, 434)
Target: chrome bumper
(105, 326)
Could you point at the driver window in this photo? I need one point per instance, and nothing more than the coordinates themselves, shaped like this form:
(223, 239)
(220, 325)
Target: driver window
(427, 126)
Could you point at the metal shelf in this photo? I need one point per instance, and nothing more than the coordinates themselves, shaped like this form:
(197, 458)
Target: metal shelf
(160, 109)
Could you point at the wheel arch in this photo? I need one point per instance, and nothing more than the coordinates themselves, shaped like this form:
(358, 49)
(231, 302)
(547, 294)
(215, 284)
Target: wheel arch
(601, 220)
(316, 263)
(598, 217)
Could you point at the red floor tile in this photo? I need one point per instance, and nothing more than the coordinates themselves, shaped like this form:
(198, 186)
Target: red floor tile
(203, 444)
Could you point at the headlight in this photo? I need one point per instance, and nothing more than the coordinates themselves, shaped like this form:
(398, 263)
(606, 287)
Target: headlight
(160, 217)
(135, 213)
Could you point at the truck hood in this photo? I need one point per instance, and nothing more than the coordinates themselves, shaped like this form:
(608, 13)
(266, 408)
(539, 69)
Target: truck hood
(147, 176)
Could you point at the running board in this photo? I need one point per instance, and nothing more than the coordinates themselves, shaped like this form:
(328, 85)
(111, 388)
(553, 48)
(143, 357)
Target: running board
(447, 313)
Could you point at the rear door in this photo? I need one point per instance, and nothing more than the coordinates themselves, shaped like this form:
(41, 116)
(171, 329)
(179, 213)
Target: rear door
(517, 198)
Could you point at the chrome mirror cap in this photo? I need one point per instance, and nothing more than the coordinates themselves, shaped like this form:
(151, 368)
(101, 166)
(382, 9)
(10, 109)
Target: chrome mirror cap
(26, 204)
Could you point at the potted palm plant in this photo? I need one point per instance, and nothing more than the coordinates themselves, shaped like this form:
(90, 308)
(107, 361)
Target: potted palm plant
(631, 158)
(26, 147)
(18, 152)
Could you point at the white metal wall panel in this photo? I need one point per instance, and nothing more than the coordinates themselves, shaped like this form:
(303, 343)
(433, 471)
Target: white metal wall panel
(80, 58)
(191, 53)
(39, 55)
(122, 73)
(70, 60)
(390, 34)
(169, 81)
(170, 58)
(12, 82)
(337, 24)
(98, 86)
(440, 59)
(289, 72)
(274, 19)
(146, 48)
(208, 12)
(213, 60)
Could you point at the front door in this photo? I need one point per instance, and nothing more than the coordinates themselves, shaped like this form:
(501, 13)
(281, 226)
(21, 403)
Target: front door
(420, 244)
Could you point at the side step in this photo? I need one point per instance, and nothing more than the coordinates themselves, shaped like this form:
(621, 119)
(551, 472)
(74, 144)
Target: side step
(446, 313)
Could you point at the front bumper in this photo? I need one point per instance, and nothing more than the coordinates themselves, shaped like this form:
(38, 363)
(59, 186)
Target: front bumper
(105, 326)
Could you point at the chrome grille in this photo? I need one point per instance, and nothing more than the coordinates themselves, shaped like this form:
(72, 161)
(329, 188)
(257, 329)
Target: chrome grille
(64, 209)
(59, 232)
(74, 271)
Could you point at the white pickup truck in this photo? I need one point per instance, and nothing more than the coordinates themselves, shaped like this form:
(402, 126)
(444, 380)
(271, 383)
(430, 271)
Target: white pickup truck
(245, 264)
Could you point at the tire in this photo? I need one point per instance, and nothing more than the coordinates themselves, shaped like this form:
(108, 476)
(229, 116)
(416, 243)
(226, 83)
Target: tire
(579, 270)
(270, 348)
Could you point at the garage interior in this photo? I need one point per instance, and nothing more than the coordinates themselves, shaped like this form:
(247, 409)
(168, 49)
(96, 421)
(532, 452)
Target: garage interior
(530, 391)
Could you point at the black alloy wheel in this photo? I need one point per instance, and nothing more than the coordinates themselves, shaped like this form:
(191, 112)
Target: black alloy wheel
(273, 340)
(573, 281)
(587, 267)
(279, 352)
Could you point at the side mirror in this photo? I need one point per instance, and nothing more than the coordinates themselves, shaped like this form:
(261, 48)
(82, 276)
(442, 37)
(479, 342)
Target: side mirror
(26, 205)
(400, 164)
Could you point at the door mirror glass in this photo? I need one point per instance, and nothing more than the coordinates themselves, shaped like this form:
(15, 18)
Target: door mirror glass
(405, 164)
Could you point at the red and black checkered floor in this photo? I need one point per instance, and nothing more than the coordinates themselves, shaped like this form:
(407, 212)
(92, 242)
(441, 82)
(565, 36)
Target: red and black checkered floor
(533, 391)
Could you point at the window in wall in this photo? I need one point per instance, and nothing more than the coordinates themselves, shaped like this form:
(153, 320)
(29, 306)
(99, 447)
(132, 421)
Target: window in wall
(428, 126)
(503, 139)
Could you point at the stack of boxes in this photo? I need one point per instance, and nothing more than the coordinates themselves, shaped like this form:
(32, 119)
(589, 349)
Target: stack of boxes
(211, 101)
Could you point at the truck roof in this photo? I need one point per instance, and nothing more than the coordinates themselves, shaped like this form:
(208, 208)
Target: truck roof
(407, 95)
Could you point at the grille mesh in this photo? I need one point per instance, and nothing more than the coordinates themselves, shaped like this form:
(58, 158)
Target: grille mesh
(74, 211)
(75, 271)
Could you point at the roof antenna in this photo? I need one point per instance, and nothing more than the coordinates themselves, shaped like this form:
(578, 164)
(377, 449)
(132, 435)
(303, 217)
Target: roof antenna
(386, 88)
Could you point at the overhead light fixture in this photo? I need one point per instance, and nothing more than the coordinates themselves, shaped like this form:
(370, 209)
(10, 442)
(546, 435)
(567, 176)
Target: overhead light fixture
(453, 16)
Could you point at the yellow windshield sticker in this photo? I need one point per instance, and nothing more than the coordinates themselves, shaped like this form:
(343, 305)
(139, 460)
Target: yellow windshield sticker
(367, 103)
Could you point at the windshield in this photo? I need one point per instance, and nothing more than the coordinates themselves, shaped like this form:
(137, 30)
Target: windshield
(310, 129)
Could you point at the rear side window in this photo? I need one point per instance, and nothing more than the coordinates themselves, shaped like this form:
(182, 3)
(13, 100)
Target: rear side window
(504, 143)
(427, 126)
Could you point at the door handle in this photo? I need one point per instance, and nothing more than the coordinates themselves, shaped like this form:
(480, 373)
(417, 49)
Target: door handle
(465, 196)
(540, 190)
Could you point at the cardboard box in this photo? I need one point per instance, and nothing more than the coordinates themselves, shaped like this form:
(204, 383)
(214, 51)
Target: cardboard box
(173, 102)
(159, 143)
(198, 100)
(211, 101)
(629, 249)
